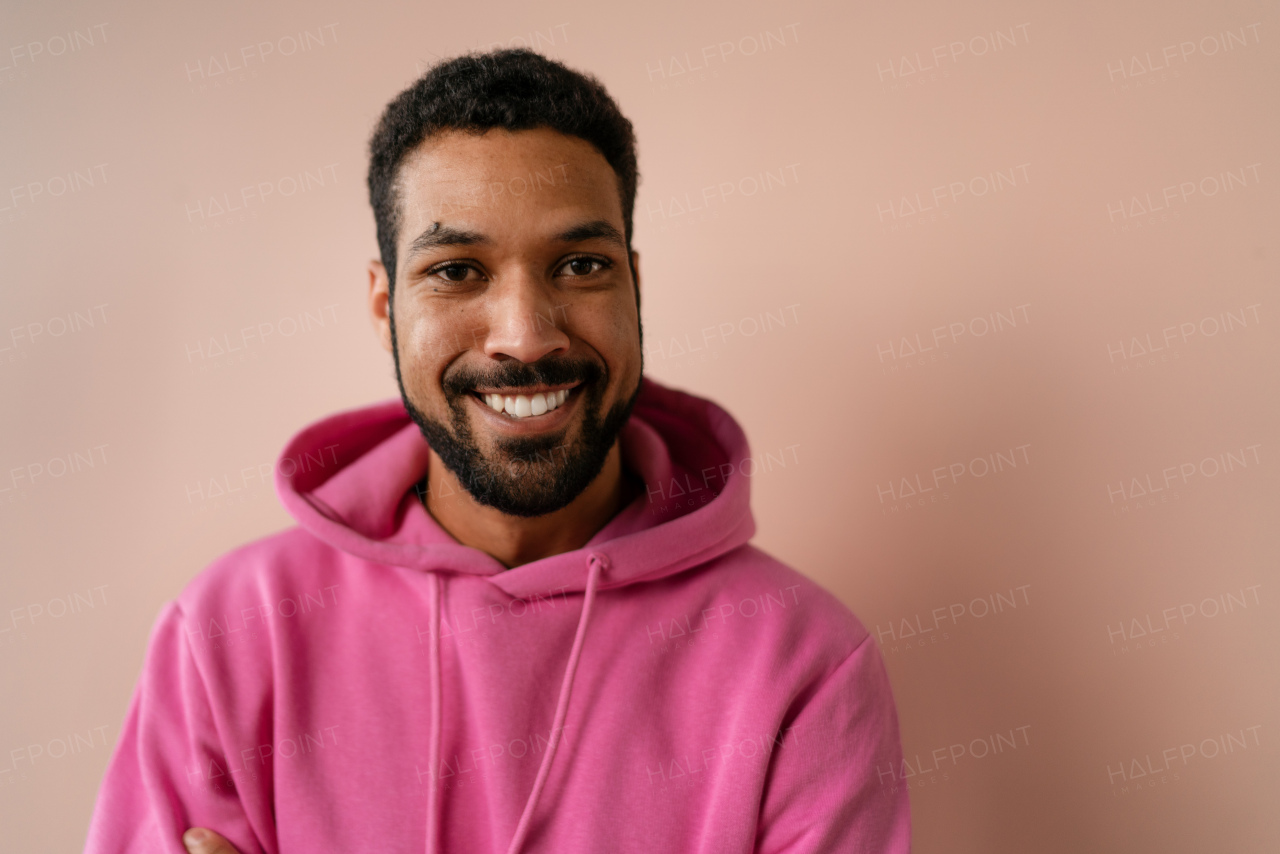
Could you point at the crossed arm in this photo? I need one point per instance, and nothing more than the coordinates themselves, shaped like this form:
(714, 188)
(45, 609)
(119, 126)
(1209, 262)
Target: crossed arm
(200, 840)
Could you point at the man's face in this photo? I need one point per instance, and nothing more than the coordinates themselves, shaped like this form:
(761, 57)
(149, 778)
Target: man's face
(513, 321)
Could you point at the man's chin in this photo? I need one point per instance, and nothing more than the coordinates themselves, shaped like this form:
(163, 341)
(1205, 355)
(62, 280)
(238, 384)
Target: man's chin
(534, 458)
(524, 467)
(528, 474)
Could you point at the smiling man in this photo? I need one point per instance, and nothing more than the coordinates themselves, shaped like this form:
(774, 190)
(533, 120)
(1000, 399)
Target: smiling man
(519, 611)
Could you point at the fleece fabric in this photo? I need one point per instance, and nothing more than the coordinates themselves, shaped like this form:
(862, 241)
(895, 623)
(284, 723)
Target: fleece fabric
(363, 682)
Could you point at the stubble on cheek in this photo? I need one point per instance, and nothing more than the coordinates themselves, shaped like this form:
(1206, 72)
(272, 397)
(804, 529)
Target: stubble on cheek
(422, 357)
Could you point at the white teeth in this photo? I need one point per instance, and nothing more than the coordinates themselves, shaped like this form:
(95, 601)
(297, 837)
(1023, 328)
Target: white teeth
(524, 406)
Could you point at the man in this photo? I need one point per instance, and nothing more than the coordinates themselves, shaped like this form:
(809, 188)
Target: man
(519, 611)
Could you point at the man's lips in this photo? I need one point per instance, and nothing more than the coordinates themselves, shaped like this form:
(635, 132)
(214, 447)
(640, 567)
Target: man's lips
(523, 402)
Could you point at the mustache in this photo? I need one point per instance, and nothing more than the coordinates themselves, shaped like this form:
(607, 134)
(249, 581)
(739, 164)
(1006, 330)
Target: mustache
(546, 371)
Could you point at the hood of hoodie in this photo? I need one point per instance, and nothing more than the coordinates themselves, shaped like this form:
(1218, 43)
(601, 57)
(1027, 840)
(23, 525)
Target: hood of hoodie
(349, 480)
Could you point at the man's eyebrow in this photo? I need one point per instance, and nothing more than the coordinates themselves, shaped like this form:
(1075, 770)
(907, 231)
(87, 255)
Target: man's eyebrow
(443, 235)
(596, 229)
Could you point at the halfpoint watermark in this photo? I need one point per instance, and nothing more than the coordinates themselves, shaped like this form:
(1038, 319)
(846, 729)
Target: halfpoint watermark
(679, 210)
(708, 62)
(250, 762)
(213, 352)
(240, 65)
(1133, 774)
(943, 201)
(896, 357)
(1140, 491)
(754, 751)
(23, 760)
(248, 482)
(23, 197)
(692, 490)
(25, 477)
(1137, 354)
(943, 760)
(1172, 200)
(244, 625)
(907, 634)
(677, 632)
(1137, 72)
(708, 342)
(26, 337)
(914, 491)
(1143, 632)
(940, 61)
(246, 203)
(20, 58)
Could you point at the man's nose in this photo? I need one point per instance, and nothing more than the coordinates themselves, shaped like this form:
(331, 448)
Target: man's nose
(525, 320)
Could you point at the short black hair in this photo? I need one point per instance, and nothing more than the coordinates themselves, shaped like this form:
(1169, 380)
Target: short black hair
(514, 89)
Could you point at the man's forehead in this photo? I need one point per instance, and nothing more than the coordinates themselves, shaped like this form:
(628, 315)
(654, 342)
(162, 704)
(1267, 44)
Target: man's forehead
(456, 175)
(471, 164)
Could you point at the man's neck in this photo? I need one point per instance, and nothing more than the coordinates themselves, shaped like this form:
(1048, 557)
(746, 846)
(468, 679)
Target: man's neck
(516, 540)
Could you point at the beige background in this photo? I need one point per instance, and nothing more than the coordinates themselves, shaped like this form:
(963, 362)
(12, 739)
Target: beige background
(1045, 192)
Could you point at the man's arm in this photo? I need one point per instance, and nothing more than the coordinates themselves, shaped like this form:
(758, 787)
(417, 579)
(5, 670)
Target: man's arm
(170, 770)
(833, 782)
(200, 840)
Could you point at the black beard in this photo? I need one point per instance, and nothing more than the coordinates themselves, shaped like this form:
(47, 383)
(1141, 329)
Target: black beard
(532, 476)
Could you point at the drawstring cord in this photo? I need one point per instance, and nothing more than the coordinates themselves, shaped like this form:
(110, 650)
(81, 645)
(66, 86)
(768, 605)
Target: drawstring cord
(433, 757)
(596, 563)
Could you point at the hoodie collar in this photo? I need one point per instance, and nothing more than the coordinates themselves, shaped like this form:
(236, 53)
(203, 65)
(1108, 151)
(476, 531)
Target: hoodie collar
(349, 480)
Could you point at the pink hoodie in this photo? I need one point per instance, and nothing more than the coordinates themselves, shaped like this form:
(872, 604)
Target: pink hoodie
(362, 682)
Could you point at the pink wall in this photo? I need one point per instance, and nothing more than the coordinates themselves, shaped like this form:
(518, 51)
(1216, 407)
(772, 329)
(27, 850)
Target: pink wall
(992, 288)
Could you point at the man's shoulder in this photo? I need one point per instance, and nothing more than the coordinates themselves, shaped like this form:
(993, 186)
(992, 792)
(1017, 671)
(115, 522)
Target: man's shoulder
(287, 564)
(755, 582)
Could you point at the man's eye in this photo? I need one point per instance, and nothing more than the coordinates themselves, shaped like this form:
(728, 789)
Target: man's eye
(583, 266)
(454, 272)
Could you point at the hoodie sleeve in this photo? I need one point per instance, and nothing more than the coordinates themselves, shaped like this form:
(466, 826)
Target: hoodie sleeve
(170, 770)
(832, 787)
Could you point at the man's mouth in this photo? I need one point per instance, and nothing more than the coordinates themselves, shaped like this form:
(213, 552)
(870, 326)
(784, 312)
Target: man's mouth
(526, 403)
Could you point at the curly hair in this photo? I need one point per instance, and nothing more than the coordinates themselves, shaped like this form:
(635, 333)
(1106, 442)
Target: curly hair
(514, 89)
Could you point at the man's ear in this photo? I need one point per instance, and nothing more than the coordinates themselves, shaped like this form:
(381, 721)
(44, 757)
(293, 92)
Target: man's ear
(635, 275)
(380, 302)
